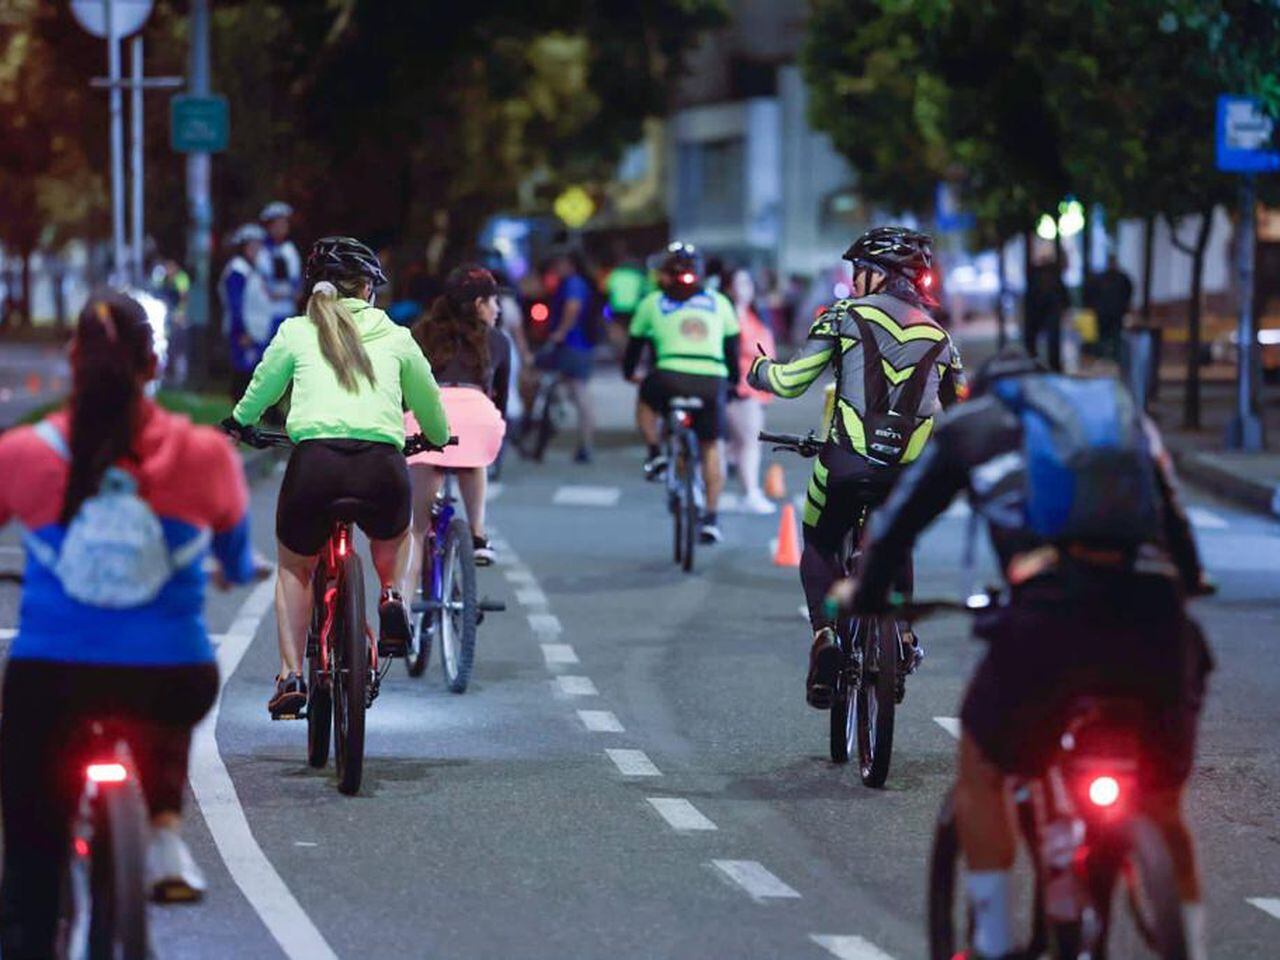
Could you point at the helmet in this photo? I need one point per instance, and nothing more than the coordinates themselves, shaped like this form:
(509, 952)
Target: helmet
(275, 210)
(898, 252)
(343, 258)
(681, 257)
(248, 233)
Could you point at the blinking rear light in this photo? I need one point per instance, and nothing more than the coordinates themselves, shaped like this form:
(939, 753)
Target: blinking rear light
(107, 773)
(1104, 791)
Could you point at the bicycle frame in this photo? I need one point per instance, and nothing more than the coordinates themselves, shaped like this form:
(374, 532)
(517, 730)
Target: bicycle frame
(443, 510)
(682, 444)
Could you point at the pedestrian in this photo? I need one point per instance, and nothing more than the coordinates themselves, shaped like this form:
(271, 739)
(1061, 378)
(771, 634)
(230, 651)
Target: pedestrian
(279, 262)
(1108, 295)
(745, 412)
(173, 285)
(246, 306)
(1045, 303)
(570, 348)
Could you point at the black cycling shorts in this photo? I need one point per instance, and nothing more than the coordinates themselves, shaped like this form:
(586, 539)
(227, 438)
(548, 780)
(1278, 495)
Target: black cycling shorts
(660, 386)
(1043, 656)
(370, 479)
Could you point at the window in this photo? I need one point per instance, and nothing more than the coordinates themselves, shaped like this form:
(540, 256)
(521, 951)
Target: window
(710, 182)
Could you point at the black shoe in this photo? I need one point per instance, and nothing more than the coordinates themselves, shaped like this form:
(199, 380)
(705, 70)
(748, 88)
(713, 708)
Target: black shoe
(393, 625)
(655, 466)
(482, 552)
(289, 699)
(824, 668)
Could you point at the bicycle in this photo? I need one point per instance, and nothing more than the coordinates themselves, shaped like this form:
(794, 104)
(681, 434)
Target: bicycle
(447, 604)
(872, 677)
(686, 493)
(546, 414)
(1084, 838)
(103, 909)
(344, 672)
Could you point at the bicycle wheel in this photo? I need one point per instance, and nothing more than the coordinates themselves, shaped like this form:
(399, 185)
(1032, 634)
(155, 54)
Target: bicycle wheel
(319, 689)
(424, 623)
(947, 907)
(844, 727)
(546, 424)
(875, 700)
(461, 609)
(350, 675)
(677, 525)
(1152, 924)
(117, 878)
(689, 504)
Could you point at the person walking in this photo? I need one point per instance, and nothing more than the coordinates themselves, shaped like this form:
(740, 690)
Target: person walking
(1109, 296)
(246, 306)
(1046, 301)
(745, 412)
(279, 262)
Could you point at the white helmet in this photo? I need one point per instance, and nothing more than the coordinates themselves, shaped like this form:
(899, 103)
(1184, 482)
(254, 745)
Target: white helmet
(275, 210)
(248, 233)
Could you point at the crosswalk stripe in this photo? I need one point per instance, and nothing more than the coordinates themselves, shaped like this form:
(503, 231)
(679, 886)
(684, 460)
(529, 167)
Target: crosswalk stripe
(849, 947)
(755, 879)
(586, 496)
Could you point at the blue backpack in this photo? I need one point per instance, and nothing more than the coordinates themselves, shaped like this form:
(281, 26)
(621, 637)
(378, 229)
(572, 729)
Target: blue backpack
(1090, 476)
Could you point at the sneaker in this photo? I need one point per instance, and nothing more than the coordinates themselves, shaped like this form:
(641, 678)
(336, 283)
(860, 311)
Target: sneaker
(757, 503)
(483, 552)
(583, 455)
(824, 667)
(709, 533)
(655, 466)
(393, 625)
(289, 699)
(913, 650)
(172, 873)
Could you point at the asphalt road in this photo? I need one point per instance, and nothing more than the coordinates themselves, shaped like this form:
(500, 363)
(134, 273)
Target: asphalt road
(498, 823)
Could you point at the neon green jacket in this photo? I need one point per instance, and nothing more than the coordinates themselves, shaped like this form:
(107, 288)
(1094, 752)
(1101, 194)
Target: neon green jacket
(322, 409)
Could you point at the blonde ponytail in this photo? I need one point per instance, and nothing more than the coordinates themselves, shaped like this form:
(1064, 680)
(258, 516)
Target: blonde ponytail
(339, 338)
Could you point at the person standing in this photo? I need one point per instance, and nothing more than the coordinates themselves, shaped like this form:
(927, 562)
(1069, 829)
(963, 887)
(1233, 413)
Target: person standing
(1046, 300)
(1109, 296)
(246, 306)
(279, 262)
(745, 412)
(570, 347)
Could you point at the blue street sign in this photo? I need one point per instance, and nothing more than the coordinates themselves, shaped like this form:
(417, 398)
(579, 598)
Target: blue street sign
(948, 217)
(1245, 136)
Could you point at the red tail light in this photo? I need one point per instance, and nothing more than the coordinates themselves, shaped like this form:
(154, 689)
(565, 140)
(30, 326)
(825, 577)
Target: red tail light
(1104, 791)
(688, 279)
(107, 773)
(538, 313)
(82, 847)
(686, 420)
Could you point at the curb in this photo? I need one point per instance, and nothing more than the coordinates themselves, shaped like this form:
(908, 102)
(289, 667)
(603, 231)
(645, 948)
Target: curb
(1216, 478)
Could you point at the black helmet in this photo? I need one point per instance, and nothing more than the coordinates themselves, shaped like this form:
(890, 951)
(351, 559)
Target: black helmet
(343, 259)
(898, 252)
(681, 257)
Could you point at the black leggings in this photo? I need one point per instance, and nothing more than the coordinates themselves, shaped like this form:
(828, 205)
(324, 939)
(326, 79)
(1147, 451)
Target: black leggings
(843, 488)
(42, 758)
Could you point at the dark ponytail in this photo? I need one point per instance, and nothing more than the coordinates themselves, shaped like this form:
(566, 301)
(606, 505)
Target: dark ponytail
(451, 327)
(111, 356)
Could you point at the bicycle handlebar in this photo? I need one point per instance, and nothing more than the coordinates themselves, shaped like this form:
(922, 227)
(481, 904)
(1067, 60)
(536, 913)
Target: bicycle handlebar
(261, 439)
(807, 446)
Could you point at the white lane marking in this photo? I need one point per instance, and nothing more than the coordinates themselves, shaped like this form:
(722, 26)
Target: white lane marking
(633, 763)
(1206, 519)
(531, 596)
(7, 551)
(758, 882)
(949, 724)
(577, 686)
(680, 813)
(804, 612)
(849, 947)
(214, 791)
(545, 624)
(1269, 905)
(600, 721)
(8, 633)
(558, 653)
(521, 575)
(586, 496)
(305, 843)
(494, 491)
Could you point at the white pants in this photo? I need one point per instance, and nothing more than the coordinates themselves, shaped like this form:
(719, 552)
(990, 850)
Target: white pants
(746, 420)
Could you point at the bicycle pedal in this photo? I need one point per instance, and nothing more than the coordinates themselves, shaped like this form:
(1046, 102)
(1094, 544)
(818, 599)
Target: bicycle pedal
(299, 715)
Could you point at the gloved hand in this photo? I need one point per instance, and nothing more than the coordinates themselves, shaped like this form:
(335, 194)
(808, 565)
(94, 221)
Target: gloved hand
(238, 431)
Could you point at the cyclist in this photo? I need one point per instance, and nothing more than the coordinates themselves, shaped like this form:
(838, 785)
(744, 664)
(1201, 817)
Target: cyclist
(126, 643)
(1076, 623)
(472, 360)
(895, 368)
(693, 333)
(351, 370)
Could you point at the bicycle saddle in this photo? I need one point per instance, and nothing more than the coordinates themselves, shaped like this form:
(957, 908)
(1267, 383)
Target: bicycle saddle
(686, 403)
(346, 509)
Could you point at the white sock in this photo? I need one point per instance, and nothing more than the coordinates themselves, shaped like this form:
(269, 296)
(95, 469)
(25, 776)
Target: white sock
(1195, 927)
(989, 897)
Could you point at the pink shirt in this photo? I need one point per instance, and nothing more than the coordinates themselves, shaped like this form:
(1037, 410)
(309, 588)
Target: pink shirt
(754, 331)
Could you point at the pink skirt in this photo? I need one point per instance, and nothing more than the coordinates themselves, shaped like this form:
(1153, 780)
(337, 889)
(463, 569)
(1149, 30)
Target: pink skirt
(474, 420)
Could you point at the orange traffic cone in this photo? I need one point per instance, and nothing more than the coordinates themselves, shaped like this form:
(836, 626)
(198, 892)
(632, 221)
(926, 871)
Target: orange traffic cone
(787, 552)
(775, 482)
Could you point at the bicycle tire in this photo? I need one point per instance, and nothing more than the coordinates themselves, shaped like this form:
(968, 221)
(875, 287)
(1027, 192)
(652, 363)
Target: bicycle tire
(875, 702)
(944, 859)
(351, 676)
(1151, 889)
(677, 527)
(842, 723)
(117, 875)
(319, 691)
(690, 504)
(424, 629)
(458, 625)
(546, 425)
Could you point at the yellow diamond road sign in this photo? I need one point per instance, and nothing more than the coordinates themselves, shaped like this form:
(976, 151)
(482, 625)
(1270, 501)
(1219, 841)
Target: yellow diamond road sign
(575, 207)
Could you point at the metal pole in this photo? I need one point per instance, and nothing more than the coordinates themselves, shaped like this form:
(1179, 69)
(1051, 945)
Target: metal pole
(117, 145)
(136, 160)
(1245, 430)
(199, 204)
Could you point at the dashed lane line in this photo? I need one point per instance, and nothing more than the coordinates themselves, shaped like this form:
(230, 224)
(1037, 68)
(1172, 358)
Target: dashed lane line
(520, 575)
(756, 880)
(949, 724)
(1268, 905)
(586, 496)
(849, 947)
(215, 793)
(680, 814)
(7, 633)
(531, 596)
(545, 624)
(600, 721)
(633, 763)
(1206, 519)
(558, 653)
(574, 686)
